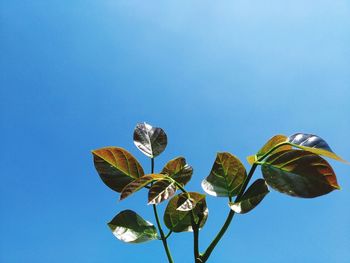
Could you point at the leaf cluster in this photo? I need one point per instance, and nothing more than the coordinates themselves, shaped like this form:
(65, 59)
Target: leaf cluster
(291, 165)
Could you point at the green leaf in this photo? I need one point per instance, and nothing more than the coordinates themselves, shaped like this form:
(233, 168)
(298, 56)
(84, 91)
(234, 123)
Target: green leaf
(160, 191)
(151, 141)
(275, 140)
(226, 176)
(299, 173)
(139, 183)
(179, 170)
(181, 221)
(116, 167)
(129, 227)
(314, 144)
(251, 198)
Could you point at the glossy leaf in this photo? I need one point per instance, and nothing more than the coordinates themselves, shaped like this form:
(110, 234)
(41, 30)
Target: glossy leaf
(226, 176)
(181, 221)
(129, 227)
(151, 141)
(315, 144)
(116, 167)
(160, 191)
(275, 140)
(251, 198)
(178, 170)
(139, 183)
(299, 173)
(186, 203)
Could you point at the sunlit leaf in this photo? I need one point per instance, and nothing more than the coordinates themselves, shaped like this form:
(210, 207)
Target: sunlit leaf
(186, 203)
(116, 167)
(160, 191)
(179, 170)
(251, 198)
(139, 183)
(129, 227)
(299, 173)
(251, 159)
(226, 176)
(181, 221)
(315, 144)
(275, 140)
(150, 140)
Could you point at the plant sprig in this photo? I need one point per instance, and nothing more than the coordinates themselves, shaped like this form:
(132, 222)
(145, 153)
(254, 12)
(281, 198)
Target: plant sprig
(291, 165)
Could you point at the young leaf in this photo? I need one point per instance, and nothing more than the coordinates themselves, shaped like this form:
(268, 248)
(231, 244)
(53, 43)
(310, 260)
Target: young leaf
(251, 159)
(299, 173)
(151, 141)
(138, 184)
(129, 227)
(160, 191)
(116, 167)
(314, 144)
(179, 170)
(181, 221)
(251, 198)
(226, 176)
(277, 139)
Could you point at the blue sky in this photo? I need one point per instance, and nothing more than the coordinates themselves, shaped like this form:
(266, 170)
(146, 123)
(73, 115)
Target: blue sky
(216, 76)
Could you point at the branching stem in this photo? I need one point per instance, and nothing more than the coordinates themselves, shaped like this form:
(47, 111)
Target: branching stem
(230, 215)
(162, 236)
(204, 257)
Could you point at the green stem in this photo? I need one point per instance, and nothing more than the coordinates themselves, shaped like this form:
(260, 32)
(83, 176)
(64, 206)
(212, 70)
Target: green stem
(168, 235)
(204, 257)
(162, 236)
(222, 231)
(195, 240)
(152, 165)
(195, 226)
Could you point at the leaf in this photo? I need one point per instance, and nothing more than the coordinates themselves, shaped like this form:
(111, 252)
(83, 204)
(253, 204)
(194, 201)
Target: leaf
(181, 221)
(160, 191)
(299, 173)
(251, 198)
(272, 142)
(314, 144)
(251, 159)
(226, 176)
(129, 227)
(186, 203)
(151, 141)
(116, 167)
(179, 170)
(139, 184)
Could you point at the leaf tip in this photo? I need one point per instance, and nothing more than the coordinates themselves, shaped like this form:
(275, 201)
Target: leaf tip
(337, 187)
(251, 159)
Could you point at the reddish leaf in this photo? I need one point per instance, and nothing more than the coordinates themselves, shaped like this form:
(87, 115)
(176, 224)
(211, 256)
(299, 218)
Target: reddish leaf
(116, 167)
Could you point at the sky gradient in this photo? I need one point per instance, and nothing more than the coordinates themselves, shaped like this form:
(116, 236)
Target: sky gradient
(216, 76)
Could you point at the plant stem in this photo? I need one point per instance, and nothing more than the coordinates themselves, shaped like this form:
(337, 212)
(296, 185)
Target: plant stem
(152, 165)
(162, 236)
(204, 257)
(195, 241)
(222, 231)
(168, 235)
(195, 227)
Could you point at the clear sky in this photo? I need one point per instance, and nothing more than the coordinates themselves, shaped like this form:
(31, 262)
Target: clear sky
(215, 75)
